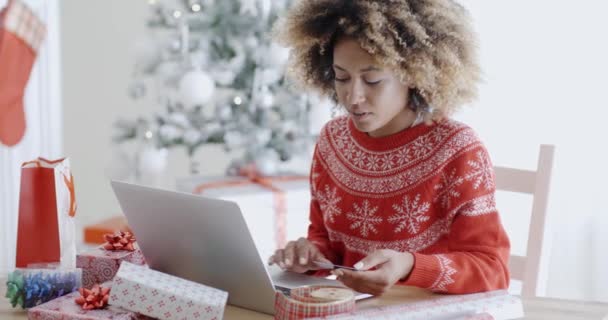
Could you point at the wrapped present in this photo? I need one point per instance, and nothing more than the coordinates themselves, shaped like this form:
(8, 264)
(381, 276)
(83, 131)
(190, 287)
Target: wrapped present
(67, 307)
(28, 288)
(94, 233)
(47, 206)
(101, 264)
(276, 208)
(163, 296)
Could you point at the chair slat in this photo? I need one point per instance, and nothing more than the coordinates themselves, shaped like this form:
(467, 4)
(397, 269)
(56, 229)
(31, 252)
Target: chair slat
(515, 180)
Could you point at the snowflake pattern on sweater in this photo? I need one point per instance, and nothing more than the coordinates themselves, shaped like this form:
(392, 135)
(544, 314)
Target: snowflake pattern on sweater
(428, 190)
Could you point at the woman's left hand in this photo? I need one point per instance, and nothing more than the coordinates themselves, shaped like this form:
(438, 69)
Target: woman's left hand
(390, 267)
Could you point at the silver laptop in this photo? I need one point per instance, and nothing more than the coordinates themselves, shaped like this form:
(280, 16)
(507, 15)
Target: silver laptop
(205, 240)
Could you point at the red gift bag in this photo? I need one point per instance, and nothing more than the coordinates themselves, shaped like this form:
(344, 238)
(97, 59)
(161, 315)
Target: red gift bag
(47, 205)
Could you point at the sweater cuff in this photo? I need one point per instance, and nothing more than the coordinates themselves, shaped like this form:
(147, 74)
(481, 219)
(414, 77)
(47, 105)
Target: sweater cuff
(424, 272)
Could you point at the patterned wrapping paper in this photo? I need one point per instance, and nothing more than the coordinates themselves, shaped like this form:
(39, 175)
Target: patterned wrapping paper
(300, 305)
(100, 265)
(493, 305)
(163, 296)
(65, 308)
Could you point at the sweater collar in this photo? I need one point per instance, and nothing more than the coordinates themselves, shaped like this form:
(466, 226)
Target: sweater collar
(389, 142)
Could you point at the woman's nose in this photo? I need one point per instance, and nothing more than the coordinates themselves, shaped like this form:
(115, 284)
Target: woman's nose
(355, 94)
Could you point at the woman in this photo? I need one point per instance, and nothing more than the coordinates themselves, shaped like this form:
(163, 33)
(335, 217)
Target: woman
(399, 190)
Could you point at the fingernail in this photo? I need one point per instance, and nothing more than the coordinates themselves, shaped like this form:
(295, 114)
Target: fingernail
(287, 262)
(358, 265)
(338, 273)
(302, 261)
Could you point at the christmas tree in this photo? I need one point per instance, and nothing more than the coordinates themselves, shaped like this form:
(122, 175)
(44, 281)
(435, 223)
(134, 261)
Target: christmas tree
(215, 67)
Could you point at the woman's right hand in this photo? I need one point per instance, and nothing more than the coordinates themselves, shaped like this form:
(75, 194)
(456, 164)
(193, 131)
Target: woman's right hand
(298, 256)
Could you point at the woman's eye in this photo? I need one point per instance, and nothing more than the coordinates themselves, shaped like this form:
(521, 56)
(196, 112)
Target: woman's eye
(373, 82)
(341, 79)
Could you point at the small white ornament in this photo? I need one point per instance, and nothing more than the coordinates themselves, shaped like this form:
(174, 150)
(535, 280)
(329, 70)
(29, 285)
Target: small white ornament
(271, 76)
(233, 139)
(267, 162)
(175, 45)
(196, 88)
(224, 113)
(192, 137)
(148, 55)
(252, 42)
(266, 98)
(170, 132)
(263, 136)
(167, 70)
(152, 160)
(276, 55)
(179, 119)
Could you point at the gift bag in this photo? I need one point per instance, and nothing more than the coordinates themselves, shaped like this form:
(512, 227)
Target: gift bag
(47, 205)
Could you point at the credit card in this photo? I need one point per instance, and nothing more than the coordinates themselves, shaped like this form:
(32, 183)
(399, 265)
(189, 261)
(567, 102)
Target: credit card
(331, 266)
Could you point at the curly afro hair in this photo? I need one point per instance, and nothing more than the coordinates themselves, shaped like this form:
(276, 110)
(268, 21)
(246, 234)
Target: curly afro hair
(429, 43)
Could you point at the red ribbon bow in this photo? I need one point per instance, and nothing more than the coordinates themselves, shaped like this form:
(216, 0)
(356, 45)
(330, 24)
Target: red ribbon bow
(120, 241)
(95, 298)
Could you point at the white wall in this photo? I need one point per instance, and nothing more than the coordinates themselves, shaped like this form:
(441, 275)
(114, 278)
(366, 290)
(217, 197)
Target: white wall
(545, 67)
(97, 44)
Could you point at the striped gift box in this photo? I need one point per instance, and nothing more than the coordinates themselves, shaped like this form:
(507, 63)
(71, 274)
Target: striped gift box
(24, 23)
(300, 304)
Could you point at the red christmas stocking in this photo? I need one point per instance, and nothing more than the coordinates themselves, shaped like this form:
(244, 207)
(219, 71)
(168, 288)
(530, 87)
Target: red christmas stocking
(21, 34)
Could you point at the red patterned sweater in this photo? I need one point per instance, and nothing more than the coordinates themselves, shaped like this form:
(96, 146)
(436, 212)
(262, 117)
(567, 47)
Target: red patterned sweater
(428, 190)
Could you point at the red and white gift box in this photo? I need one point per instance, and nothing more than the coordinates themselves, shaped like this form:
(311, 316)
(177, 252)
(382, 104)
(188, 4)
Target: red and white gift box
(65, 308)
(163, 296)
(100, 265)
(276, 208)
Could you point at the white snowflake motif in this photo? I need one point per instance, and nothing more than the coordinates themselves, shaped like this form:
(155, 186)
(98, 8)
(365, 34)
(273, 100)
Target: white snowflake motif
(422, 146)
(481, 172)
(342, 140)
(373, 162)
(447, 188)
(386, 162)
(402, 156)
(410, 215)
(328, 201)
(364, 219)
(349, 151)
(359, 158)
(445, 274)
